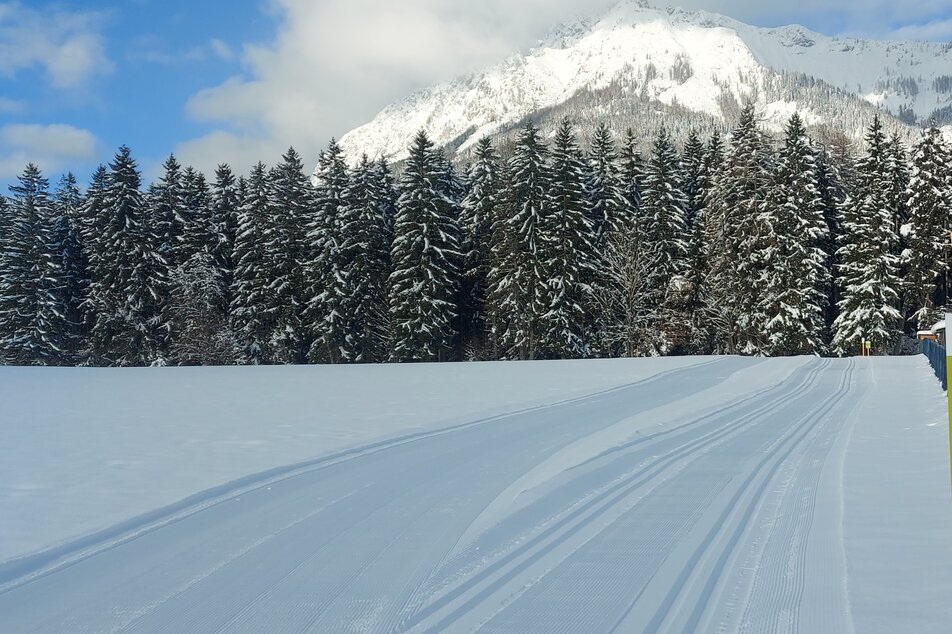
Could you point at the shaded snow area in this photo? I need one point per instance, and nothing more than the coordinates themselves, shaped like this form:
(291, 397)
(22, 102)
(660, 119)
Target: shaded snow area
(681, 495)
(87, 448)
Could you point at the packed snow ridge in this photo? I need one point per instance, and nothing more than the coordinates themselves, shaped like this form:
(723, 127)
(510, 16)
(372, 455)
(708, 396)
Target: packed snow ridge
(697, 60)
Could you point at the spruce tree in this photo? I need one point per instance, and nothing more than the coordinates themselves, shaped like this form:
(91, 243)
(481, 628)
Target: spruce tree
(91, 225)
(128, 275)
(692, 176)
(366, 237)
(479, 211)
(330, 312)
(795, 266)
(834, 164)
(735, 241)
(610, 212)
(194, 231)
(425, 254)
(290, 204)
(167, 210)
(869, 273)
(929, 200)
(37, 328)
(698, 266)
(250, 302)
(225, 201)
(68, 204)
(897, 166)
(518, 287)
(568, 250)
(665, 239)
(632, 180)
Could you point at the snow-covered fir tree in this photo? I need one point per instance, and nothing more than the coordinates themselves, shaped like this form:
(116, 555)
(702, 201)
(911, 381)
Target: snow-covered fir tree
(330, 310)
(479, 210)
(897, 166)
(194, 231)
(249, 316)
(834, 164)
(632, 178)
(735, 240)
(795, 267)
(197, 316)
(166, 202)
(568, 250)
(609, 209)
(68, 204)
(290, 204)
(35, 326)
(703, 334)
(692, 174)
(225, 201)
(926, 258)
(129, 275)
(665, 238)
(426, 260)
(364, 253)
(868, 266)
(518, 285)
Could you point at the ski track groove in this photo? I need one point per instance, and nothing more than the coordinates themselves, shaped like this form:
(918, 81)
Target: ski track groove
(511, 563)
(639, 557)
(784, 448)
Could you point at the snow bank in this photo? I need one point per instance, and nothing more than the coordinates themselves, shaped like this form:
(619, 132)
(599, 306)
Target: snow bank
(897, 515)
(85, 449)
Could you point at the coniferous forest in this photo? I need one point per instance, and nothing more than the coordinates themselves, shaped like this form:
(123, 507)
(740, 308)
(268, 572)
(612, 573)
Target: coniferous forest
(567, 248)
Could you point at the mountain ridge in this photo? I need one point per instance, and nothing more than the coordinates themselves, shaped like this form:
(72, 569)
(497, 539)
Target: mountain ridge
(694, 61)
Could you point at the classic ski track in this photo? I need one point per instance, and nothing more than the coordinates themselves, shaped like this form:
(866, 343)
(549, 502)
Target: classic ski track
(19, 571)
(750, 498)
(783, 591)
(446, 562)
(511, 563)
(249, 605)
(131, 625)
(608, 581)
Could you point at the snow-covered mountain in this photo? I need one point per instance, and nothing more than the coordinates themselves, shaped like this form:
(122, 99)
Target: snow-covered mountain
(675, 62)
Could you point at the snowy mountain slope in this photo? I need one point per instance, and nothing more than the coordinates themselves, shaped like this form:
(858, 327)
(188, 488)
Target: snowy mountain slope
(696, 61)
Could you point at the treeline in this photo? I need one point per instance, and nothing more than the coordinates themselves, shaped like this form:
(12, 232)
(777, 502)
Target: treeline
(740, 245)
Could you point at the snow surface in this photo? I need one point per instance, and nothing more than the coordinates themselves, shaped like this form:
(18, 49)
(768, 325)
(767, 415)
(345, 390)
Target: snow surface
(643, 47)
(714, 495)
(88, 448)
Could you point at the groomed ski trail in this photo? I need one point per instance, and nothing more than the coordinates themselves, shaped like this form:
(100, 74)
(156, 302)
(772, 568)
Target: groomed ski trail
(695, 500)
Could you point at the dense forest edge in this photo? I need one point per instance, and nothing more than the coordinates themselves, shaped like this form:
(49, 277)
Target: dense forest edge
(741, 244)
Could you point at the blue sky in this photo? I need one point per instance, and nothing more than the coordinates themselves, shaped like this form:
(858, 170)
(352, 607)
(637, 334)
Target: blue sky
(241, 80)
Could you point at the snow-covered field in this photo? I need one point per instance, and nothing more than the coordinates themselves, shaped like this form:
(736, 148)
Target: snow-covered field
(694, 494)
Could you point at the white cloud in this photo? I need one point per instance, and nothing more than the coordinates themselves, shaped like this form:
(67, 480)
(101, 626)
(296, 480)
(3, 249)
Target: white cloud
(335, 63)
(66, 44)
(51, 147)
(151, 49)
(10, 106)
(936, 31)
(866, 18)
(220, 49)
